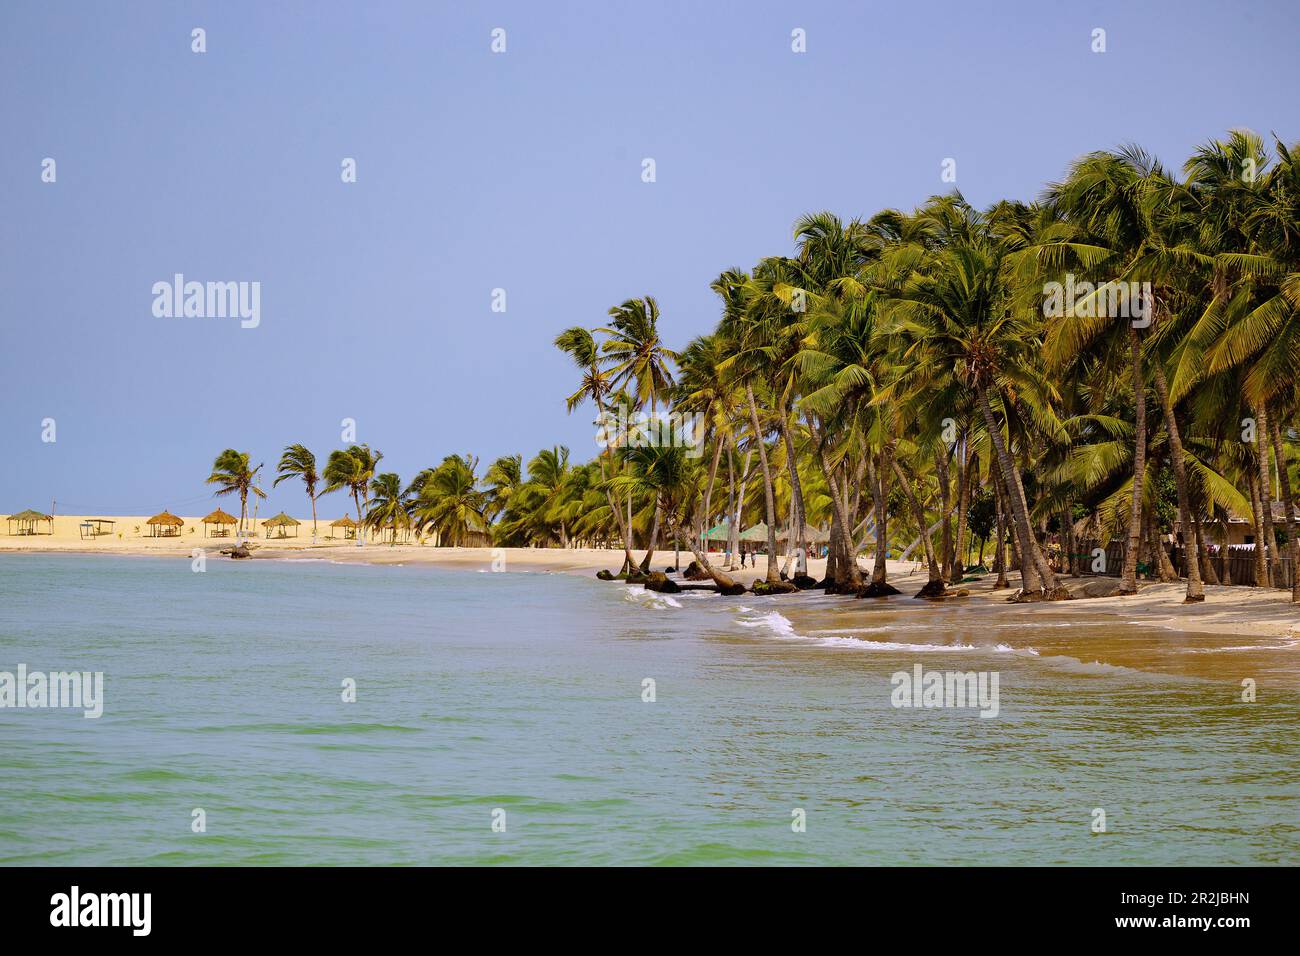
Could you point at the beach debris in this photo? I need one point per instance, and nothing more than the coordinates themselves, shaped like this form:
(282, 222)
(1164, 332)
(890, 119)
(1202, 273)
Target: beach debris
(1021, 596)
(237, 552)
(763, 587)
(695, 573)
(658, 581)
(878, 589)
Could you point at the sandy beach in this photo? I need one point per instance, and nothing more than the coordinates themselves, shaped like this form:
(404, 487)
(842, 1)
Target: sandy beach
(1253, 612)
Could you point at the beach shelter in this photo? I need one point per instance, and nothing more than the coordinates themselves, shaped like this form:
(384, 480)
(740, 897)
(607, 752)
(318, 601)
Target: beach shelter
(347, 524)
(95, 527)
(218, 524)
(165, 525)
(756, 532)
(811, 535)
(284, 523)
(29, 522)
(719, 532)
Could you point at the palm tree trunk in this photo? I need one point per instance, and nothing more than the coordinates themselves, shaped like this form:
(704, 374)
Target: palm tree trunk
(796, 530)
(1257, 526)
(768, 491)
(1265, 496)
(932, 563)
(1195, 589)
(1034, 573)
(1000, 545)
(965, 467)
(1202, 551)
(313, 519)
(724, 581)
(1129, 577)
(880, 569)
(1284, 479)
(849, 575)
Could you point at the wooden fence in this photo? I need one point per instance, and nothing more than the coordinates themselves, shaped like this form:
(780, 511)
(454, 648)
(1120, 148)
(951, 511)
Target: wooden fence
(1240, 563)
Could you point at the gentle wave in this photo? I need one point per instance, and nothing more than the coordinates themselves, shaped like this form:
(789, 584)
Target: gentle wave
(780, 625)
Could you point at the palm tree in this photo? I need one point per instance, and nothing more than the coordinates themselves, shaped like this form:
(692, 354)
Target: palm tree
(640, 359)
(352, 468)
(671, 477)
(298, 462)
(450, 501)
(388, 509)
(231, 470)
(597, 383)
(957, 314)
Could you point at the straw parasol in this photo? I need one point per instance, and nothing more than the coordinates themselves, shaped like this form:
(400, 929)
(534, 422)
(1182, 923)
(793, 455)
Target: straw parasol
(164, 525)
(347, 524)
(283, 522)
(756, 533)
(27, 522)
(223, 522)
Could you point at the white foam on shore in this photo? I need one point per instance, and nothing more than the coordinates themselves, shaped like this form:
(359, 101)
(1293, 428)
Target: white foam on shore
(637, 594)
(1285, 645)
(780, 625)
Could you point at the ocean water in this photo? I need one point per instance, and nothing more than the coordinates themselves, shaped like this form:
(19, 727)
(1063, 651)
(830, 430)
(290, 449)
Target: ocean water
(519, 698)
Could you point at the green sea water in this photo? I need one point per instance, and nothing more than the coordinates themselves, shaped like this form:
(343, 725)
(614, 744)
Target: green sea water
(519, 698)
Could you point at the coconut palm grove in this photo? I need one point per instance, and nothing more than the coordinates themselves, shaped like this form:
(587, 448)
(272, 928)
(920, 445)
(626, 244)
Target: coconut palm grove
(1101, 380)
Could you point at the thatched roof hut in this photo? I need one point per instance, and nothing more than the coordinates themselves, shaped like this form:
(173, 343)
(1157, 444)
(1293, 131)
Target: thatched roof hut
(284, 523)
(756, 532)
(347, 524)
(164, 525)
(222, 521)
(28, 522)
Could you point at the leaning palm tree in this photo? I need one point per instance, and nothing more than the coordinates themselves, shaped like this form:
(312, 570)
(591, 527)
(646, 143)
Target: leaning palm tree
(597, 383)
(231, 470)
(450, 501)
(642, 361)
(298, 462)
(352, 468)
(672, 478)
(388, 506)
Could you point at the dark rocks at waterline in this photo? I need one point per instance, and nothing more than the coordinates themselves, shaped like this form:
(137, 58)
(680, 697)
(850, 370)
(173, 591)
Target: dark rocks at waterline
(734, 590)
(1097, 588)
(803, 582)
(878, 589)
(658, 581)
(1058, 593)
(605, 575)
(933, 589)
(695, 573)
(237, 552)
(763, 587)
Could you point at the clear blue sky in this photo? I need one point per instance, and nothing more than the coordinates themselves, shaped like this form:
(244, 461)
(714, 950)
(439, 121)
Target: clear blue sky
(478, 171)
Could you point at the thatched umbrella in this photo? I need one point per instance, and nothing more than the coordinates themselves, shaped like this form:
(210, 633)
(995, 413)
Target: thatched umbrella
(283, 522)
(223, 522)
(27, 522)
(164, 525)
(347, 524)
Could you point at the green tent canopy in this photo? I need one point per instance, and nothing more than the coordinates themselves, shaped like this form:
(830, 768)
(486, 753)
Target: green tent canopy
(757, 532)
(718, 532)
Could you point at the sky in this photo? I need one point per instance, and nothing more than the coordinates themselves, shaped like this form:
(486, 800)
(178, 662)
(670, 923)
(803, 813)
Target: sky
(478, 170)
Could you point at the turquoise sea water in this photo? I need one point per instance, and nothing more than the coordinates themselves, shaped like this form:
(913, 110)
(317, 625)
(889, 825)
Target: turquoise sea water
(479, 692)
